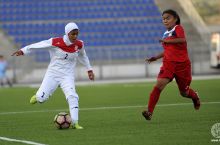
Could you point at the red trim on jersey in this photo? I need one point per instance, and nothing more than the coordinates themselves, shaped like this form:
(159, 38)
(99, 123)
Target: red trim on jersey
(58, 42)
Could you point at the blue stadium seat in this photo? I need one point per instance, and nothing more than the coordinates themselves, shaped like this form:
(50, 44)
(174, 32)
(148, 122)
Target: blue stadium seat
(109, 25)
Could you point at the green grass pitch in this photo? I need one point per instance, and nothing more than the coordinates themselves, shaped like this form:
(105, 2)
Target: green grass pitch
(120, 123)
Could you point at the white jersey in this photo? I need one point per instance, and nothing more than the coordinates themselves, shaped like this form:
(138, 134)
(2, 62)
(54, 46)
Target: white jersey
(63, 56)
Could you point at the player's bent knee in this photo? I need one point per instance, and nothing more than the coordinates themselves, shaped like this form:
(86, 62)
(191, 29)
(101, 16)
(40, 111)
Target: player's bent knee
(160, 86)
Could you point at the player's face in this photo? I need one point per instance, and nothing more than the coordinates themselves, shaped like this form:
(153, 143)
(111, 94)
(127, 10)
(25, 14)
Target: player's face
(73, 35)
(169, 21)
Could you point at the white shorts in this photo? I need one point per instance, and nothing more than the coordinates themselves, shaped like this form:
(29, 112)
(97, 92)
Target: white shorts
(50, 84)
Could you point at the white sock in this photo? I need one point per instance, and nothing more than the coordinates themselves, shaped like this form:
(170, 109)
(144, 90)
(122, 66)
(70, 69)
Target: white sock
(74, 109)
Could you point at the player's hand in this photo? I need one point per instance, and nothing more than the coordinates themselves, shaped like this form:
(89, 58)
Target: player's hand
(151, 59)
(91, 75)
(18, 53)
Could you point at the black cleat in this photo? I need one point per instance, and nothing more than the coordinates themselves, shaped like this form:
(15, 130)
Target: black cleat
(147, 115)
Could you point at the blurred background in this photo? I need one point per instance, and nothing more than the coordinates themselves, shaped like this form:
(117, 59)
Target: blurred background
(118, 35)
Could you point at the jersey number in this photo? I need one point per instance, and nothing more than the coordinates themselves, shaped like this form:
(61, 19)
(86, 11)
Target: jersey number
(66, 56)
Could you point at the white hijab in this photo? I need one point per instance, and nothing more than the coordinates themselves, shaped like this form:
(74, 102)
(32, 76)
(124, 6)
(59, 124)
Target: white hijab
(69, 27)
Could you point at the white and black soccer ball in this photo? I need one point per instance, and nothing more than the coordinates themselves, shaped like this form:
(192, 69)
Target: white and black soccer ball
(62, 120)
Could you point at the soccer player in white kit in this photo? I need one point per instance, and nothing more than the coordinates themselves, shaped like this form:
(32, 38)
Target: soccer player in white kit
(64, 53)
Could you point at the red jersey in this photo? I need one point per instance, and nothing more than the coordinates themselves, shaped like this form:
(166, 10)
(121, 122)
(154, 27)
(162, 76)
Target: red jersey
(58, 42)
(175, 51)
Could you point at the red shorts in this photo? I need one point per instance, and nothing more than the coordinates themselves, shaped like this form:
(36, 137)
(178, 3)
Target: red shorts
(181, 71)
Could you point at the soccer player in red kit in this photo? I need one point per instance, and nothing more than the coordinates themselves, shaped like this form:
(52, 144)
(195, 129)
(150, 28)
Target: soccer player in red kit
(176, 63)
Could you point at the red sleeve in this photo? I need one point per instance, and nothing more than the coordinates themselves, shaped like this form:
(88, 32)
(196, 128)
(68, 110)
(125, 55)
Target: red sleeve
(179, 31)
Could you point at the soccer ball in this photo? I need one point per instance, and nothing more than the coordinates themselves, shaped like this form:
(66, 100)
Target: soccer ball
(62, 120)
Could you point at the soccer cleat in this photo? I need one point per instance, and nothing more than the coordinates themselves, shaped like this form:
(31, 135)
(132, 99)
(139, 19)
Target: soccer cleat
(147, 115)
(196, 102)
(77, 126)
(33, 99)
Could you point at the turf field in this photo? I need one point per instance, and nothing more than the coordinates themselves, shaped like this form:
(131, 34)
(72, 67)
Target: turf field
(111, 115)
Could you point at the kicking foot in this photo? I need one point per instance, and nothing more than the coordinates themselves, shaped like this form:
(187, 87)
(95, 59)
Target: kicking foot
(147, 115)
(33, 99)
(77, 126)
(196, 102)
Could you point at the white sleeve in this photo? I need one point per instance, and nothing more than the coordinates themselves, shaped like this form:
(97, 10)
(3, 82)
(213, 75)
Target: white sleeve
(83, 59)
(45, 44)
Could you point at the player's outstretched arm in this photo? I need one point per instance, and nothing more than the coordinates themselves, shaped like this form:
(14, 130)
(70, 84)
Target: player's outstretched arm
(176, 40)
(17, 53)
(154, 58)
(45, 44)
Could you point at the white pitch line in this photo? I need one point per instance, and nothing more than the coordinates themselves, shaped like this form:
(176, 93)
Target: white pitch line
(159, 105)
(21, 141)
(104, 108)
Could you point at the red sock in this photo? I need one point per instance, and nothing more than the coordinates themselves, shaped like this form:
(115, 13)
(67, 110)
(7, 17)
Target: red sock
(154, 97)
(192, 94)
